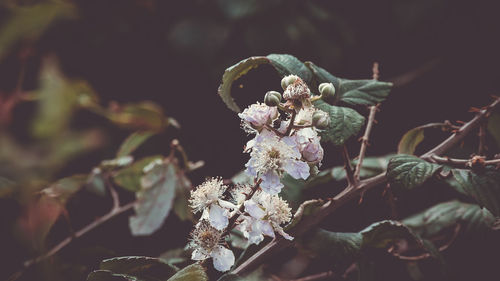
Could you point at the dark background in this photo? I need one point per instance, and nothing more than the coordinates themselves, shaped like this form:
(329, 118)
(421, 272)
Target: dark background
(441, 55)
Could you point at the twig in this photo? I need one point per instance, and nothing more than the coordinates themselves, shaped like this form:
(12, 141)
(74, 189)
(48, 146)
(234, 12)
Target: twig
(458, 136)
(234, 218)
(290, 126)
(319, 276)
(463, 163)
(352, 192)
(364, 140)
(351, 180)
(375, 72)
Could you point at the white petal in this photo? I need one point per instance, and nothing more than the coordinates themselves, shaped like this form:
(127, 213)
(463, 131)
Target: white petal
(266, 228)
(284, 234)
(218, 217)
(197, 255)
(223, 258)
(297, 169)
(271, 183)
(226, 204)
(254, 209)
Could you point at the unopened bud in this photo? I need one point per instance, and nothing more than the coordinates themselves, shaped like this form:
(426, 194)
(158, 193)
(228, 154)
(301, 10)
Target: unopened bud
(272, 98)
(327, 90)
(320, 119)
(288, 80)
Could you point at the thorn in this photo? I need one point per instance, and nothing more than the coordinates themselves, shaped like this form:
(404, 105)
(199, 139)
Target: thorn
(474, 109)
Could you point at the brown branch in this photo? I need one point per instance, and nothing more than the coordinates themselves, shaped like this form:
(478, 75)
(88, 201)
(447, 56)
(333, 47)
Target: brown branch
(319, 276)
(364, 140)
(235, 217)
(352, 192)
(351, 180)
(462, 163)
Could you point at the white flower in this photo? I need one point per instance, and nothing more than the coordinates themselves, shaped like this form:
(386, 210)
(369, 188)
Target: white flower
(296, 90)
(309, 145)
(207, 198)
(206, 243)
(271, 156)
(256, 116)
(266, 214)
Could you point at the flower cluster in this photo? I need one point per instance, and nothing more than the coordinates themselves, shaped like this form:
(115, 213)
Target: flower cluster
(286, 141)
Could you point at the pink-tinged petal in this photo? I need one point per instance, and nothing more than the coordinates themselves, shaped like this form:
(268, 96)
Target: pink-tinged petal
(223, 258)
(218, 217)
(297, 169)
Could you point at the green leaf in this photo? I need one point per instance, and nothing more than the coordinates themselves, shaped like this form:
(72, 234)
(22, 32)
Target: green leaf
(232, 74)
(410, 141)
(130, 176)
(383, 234)
(409, 171)
(483, 187)
(142, 268)
(294, 188)
(155, 199)
(133, 141)
(435, 219)
(363, 92)
(284, 65)
(288, 64)
(177, 255)
(106, 275)
(344, 123)
(308, 208)
(96, 182)
(194, 272)
(353, 92)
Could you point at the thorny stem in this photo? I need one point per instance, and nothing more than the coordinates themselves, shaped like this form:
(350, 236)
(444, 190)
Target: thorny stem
(115, 211)
(292, 120)
(352, 192)
(351, 180)
(234, 218)
(461, 162)
(364, 140)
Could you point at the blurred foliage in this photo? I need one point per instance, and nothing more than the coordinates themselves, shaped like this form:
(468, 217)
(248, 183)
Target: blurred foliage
(64, 63)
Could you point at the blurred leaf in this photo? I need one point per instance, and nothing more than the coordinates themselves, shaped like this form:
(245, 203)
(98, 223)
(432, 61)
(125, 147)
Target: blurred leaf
(142, 268)
(57, 101)
(106, 275)
(64, 188)
(410, 141)
(132, 142)
(307, 208)
(155, 199)
(353, 92)
(442, 216)
(139, 116)
(242, 178)
(6, 187)
(237, 9)
(344, 123)
(130, 177)
(30, 22)
(284, 65)
(181, 204)
(409, 171)
(117, 162)
(175, 256)
(96, 183)
(37, 220)
(494, 126)
(194, 272)
(293, 191)
(483, 187)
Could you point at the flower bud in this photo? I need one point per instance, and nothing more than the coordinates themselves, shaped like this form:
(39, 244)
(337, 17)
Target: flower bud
(327, 90)
(288, 80)
(320, 119)
(272, 98)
